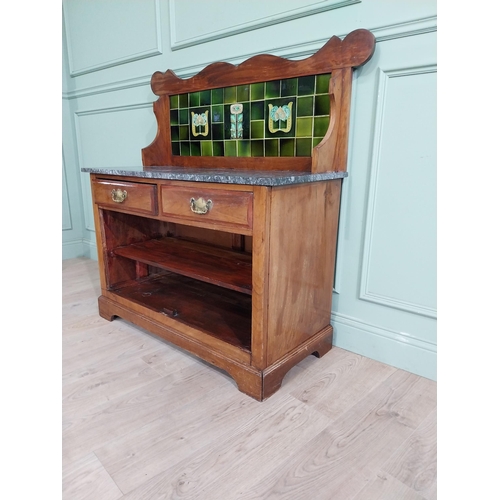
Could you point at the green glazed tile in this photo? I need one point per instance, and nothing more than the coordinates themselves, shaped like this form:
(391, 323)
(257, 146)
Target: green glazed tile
(306, 85)
(217, 96)
(184, 132)
(272, 89)
(227, 129)
(174, 117)
(257, 110)
(183, 116)
(229, 95)
(257, 148)
(174, 132)
(257, 130)
(194, 99)
(218, 148)
(218, 131)
(322, 83)
(287, 147)
(176, 150)
(243, 148)
(322, 105)
(183, 101)
(195, 148)
(305, 106)
(205, 98)
(271, 147)
(304, 127)
(174, 101)
(185, 149)
(246, 120)
(257, 91)
(230, 148)
(321, 126)
(316, 141)
(206, 148)
(304, 147)
(243, 93)
(289, 87)
(218, 114)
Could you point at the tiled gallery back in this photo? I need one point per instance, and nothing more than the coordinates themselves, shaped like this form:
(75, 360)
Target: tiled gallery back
(278, 118)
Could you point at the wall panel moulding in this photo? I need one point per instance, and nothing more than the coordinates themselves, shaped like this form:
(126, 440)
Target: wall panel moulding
(136, 32)
(206, 24)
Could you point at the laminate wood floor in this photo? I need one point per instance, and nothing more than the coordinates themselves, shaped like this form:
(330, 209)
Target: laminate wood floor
(144, 420)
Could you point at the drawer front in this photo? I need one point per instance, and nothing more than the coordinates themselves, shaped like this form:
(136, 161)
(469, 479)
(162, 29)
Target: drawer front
(209, 207)
(126, 196)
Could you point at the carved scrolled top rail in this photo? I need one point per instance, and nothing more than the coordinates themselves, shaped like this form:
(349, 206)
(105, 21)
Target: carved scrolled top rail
(353, 51)
(337, 58)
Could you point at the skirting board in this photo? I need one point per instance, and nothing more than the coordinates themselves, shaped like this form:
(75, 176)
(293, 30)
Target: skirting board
(79, 248)
(384, 345)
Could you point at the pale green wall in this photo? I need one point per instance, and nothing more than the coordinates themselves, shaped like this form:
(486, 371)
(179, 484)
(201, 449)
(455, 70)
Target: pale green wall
(384, 305)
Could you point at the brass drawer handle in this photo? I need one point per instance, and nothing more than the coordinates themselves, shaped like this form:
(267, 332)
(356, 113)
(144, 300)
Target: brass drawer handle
(118, 196)
(200, 206)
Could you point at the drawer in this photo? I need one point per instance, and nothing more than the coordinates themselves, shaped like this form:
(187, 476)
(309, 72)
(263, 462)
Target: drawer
(207, 206)
(127, 196)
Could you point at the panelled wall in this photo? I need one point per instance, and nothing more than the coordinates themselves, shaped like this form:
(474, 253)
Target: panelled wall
(384, 302)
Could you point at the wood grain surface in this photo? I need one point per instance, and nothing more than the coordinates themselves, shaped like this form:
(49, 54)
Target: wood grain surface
(144, 420)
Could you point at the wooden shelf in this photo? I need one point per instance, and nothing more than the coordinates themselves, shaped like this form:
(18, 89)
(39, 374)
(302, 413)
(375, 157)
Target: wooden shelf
(218, 266)
(222, 313)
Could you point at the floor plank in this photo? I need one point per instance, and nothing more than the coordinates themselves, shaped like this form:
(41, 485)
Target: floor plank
(87, 432)
(87, 479)
(103, 385)
(334, 388)
(386, 487)
(339, 461)
(164, 443)
(220, 469)
(415, 463)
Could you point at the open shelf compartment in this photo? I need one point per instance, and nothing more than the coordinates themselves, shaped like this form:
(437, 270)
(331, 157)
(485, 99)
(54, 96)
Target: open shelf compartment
(218, 266)
(222, 313)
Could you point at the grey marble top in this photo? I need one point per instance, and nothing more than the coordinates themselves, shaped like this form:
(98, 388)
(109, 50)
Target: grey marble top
(250, 177)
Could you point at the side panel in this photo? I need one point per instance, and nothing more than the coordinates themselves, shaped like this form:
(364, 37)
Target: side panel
(303, 242)
(260, 272)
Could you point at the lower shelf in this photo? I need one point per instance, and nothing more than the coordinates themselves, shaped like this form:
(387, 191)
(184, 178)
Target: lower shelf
(220, 312)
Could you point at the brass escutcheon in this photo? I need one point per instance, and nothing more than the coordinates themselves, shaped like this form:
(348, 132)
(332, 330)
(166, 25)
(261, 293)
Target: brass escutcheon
(200, 206)
(118, 196)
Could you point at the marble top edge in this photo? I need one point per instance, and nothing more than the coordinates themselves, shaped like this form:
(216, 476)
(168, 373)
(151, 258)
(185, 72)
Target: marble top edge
(252, 177)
